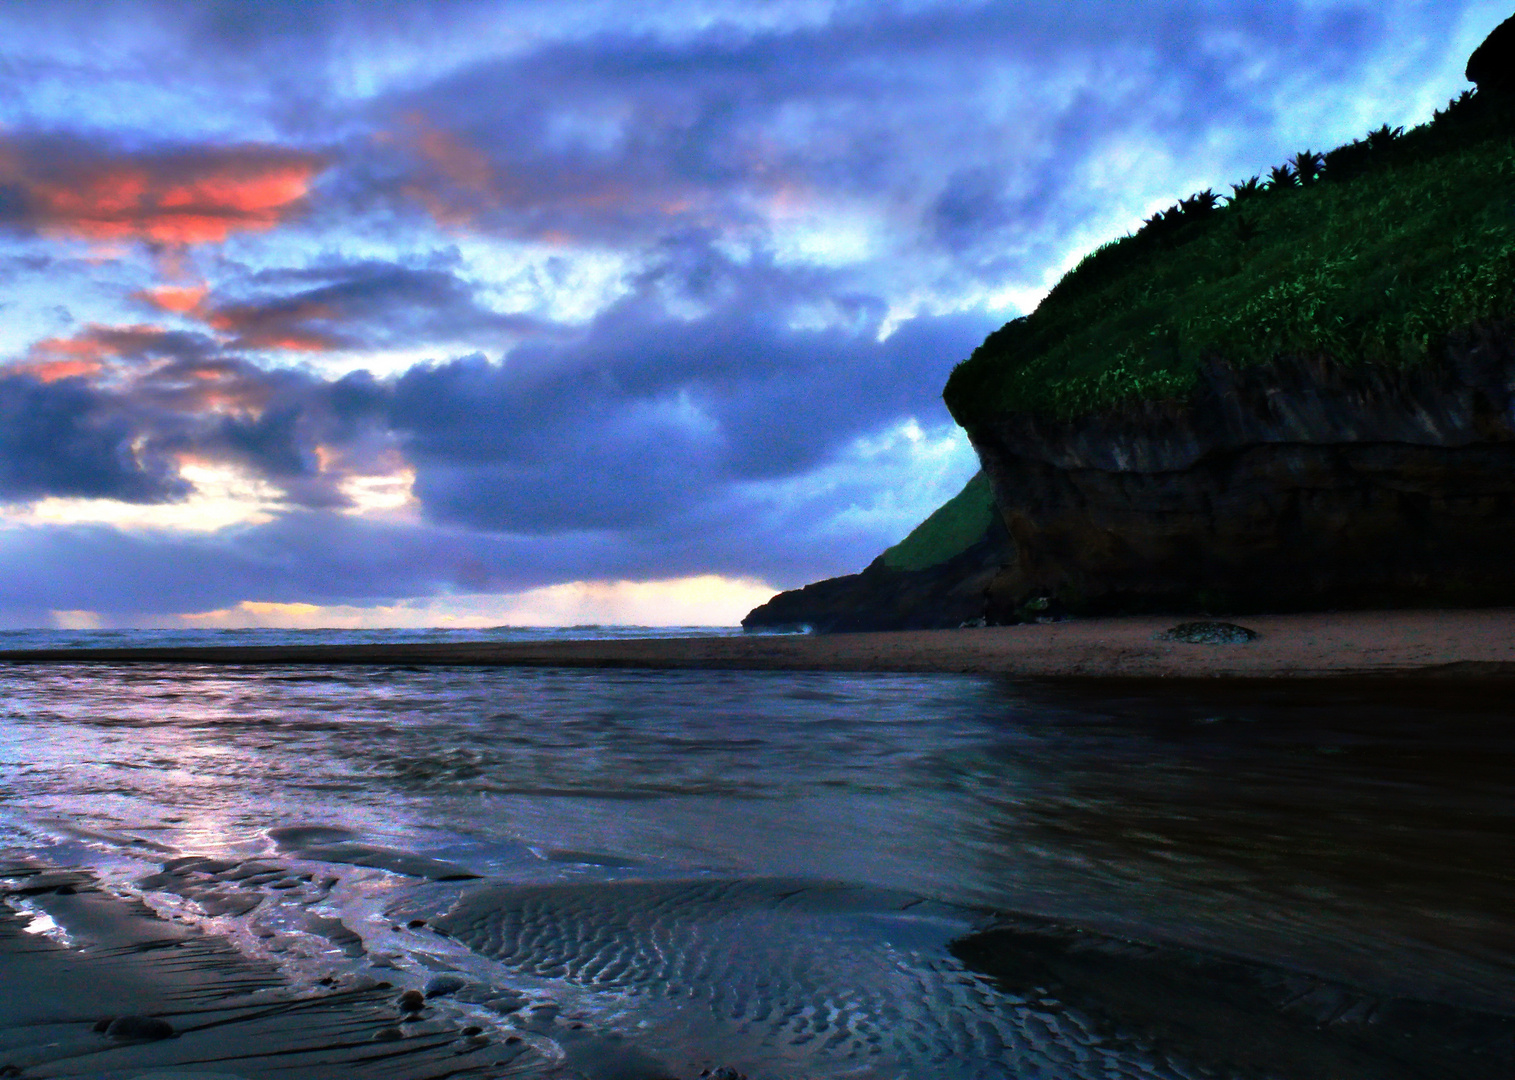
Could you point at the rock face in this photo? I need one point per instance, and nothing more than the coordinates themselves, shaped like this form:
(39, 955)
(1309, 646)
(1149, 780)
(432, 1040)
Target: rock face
(882, 598)
(1295, 485)
(1492, 65)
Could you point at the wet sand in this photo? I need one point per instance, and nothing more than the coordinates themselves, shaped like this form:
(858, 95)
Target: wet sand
(135, 997)
(132, 996)
(1458, 644)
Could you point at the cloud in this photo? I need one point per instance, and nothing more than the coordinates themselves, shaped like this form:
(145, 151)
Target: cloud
(646, 413)
(704, 600)
(781, 534)
(115, 412)
(176, 299)
(974, 120)
(690, 277)
(362, 305)
(66, 438)
(66, 186)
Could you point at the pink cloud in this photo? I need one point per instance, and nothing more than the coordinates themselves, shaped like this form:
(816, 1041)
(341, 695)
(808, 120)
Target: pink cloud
(175, 199)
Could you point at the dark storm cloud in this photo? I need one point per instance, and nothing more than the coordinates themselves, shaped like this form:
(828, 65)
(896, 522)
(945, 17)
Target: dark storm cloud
(320, 557)
(632, 423)
(309, 557)
(303, 557)
(978, 116)
(114, 412)
(277, 423)
(646, 414)
(65, 438)
(362, 305)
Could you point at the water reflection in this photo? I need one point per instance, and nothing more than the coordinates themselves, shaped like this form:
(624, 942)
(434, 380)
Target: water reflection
(1351, 827)
(1355, 830)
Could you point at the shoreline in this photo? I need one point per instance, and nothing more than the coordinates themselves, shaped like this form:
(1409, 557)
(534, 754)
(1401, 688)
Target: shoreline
(133, 994)
(1440, 644)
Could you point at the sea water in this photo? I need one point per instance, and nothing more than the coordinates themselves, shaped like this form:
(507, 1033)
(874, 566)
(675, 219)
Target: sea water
(776, 871)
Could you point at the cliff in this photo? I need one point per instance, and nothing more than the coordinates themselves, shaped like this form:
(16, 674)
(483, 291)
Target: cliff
(1296, 485)
(936, 578)
(1298, 396)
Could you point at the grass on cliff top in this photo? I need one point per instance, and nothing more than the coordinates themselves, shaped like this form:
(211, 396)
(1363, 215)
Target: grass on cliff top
(957, 525)
(1369, 255)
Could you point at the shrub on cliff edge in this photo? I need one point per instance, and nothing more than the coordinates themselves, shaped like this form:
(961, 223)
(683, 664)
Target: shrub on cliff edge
(1367, 255)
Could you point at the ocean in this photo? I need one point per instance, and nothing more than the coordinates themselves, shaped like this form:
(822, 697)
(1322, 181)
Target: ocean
(808, 875)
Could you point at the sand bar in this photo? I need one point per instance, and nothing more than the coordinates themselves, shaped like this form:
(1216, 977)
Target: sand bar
(1457, 644)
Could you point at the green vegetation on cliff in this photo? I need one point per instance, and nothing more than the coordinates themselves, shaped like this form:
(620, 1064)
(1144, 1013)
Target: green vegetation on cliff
(952, 529)
(1368, 253)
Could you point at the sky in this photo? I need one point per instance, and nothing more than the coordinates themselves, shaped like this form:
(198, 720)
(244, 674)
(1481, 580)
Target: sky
(548, 313)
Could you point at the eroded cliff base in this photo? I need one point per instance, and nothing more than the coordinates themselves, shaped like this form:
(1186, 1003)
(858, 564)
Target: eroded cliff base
(1299, 485)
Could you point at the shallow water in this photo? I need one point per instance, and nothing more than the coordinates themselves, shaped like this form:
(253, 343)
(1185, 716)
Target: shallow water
(769, 870)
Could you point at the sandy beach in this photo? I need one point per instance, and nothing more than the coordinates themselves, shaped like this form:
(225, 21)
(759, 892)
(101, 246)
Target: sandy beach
(1459, 644)
(133, 996)
(231, 948)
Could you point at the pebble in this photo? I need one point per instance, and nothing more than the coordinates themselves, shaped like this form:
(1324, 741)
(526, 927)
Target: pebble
(442, 985)
(388, 1034)
(412, 1001)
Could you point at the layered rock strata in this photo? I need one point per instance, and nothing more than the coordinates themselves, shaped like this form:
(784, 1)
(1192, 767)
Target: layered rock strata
(1296, 485)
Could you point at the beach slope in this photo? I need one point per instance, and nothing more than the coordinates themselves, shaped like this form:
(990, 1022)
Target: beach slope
(1455, 644)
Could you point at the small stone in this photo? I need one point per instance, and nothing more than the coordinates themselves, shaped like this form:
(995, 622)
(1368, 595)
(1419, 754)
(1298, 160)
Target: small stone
(416, 923)
(412, 1001)
(473, 1029)
(442, 985)
(1208, 633)
(388, 1034)
(139, 1029)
